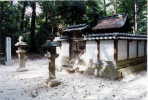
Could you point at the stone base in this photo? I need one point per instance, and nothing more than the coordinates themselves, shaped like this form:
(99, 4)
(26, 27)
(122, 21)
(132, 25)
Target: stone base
(130, 62)
(108, 72)
(132, 69)
(53, 83)
(8, 62)
(22, 69)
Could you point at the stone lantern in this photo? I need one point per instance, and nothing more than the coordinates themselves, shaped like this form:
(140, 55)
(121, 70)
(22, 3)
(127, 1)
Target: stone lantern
(21, 54)
(51, 55)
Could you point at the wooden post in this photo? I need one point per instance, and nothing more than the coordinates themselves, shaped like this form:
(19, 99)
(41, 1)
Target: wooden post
(116, 50)
(145, 48)
(70, 48)
(127, 49)
(98, 47)
(137, 47)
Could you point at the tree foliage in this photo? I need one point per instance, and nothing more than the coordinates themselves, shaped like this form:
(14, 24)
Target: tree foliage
(37, 28)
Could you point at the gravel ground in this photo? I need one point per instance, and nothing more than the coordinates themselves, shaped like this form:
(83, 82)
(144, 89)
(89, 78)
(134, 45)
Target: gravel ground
(29, 85)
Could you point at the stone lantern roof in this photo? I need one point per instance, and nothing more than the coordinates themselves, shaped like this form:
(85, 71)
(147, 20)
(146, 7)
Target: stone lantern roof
(49, 43)
(20, 43)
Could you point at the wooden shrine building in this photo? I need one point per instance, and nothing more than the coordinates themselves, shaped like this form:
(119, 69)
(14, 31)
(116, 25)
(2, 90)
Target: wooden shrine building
(107, 46)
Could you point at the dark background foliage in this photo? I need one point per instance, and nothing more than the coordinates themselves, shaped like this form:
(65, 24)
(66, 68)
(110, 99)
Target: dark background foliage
(37, 28)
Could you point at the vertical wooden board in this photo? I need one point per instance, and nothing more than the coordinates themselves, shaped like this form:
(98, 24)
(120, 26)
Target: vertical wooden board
(145, 48)
(115, 50)
(98, 48)
(137, 47)
(127, 49)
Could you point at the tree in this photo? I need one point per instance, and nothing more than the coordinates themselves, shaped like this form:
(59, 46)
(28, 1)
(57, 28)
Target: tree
(33, 18)
(23, 15)
(136, 10)
(104, 2)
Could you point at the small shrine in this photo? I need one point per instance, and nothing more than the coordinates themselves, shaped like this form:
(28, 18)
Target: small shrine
(105, 48)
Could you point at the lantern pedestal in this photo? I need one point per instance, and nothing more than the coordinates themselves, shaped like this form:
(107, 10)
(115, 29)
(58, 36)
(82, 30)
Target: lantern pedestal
(22, 58)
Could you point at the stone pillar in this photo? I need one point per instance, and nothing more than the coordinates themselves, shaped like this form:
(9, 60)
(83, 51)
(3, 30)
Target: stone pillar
(51, 54)
(22, 58)
(21, 54)
(8, 51)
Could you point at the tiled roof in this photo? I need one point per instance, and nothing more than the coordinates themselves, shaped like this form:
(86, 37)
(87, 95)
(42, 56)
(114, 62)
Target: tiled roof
(76, 27)
(100, 36)
(119, 36)
(111, 22)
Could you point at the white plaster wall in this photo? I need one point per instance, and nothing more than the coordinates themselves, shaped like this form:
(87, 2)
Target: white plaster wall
(64, 49)
(122, 49)
(132, 49)
(63, 52)
(141, 48)
(107, 50)
(91, 52)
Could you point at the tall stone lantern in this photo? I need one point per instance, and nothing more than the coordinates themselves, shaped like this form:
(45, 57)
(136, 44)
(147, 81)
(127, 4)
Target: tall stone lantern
(51, 55)
(21, 54)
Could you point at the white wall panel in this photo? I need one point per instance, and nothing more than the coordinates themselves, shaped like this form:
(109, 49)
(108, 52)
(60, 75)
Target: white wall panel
(91, 51)
(65, 49)
(107, 50)
(122, 49)
(140, 48)
(132, 49)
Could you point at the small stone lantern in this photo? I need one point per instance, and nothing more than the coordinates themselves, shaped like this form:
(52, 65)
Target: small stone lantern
(51, 54)
(21, 54)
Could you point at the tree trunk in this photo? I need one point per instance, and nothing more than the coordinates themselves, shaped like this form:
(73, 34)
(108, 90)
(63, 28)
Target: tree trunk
(115, 6)
(46, 17)
(104, 7)
(52, 30)
(1, 21)
(135, 15)
(22, 16)
(1, 15)
(33, 47)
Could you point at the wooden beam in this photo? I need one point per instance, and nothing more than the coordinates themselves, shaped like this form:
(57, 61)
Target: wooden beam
(127, 49)
(116, 50)
(70, 48)
(145, 48)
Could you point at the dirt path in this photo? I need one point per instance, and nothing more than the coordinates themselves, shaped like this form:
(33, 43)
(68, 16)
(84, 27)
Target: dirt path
(29, 85)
